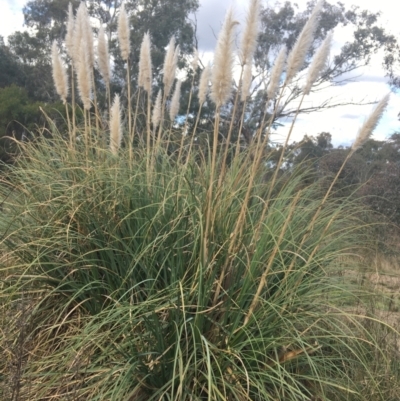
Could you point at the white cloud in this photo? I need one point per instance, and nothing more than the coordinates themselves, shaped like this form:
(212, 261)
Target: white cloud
(11, 17)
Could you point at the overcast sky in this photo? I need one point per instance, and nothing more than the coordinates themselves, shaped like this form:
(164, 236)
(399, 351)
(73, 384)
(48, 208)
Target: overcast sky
(343, 123)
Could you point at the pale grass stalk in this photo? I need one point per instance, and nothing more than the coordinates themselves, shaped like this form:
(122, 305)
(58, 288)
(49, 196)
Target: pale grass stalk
(209, 198)
(202, 95)
(84, 89)
(169, 73)
(148, 123)
(302, 45)
(61, 82)
(169, 68)
(299, 52)
(195, 65)
(103, 61)
(135, 116)
(272, 90)
(363, 135)
(125, 47)
(115, 126)
(244, 94)
(271, 260)
(220, 92)
(277, 168)
(228, 137)
(86, 37)
(145, 80)
(83, 37)
(250, 33)
(222, 79)
(156, 119)
(174, 109)
(70, 47)
(318, 64)
(73, 133)
(238, 230)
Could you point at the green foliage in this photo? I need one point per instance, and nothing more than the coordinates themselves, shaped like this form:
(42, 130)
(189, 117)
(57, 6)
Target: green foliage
(114, 254)
(19, 116)
(10, 69)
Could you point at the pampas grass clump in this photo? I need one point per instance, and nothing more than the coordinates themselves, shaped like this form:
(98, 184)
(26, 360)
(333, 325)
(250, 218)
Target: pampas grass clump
(150, 268)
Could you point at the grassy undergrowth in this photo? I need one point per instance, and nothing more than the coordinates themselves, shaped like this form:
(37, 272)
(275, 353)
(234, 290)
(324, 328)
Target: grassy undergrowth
(164, 270)
(112, 298)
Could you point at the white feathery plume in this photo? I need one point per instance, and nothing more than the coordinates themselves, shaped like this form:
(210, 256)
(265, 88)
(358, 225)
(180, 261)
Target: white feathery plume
(169, 68)
(156, 116)
(204, 82)
(69, 36)
(84, 77)
(318, 63)
(222, 76)
(276, 73)
(298, 54)
(250, 32)
(174, 106)
(145, 67)
(246, 80)
(59, 74)
(123, 33)
(78, 36)
(370, 123)
(88, 33)
(115, 126)
(103, 58)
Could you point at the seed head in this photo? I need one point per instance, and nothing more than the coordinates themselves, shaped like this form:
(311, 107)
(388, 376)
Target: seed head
(115, 126)
(156, 117)
(170, 62)
(370, 123)
(246, 81)
(250, 33)
(145, 68)
(69, 37)
(59, 74)
(318, 63)
(103, 58)
(174, 106)
(276, 73)
(221, 78)
(84, 77)
(123, 33)
(298, 54)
